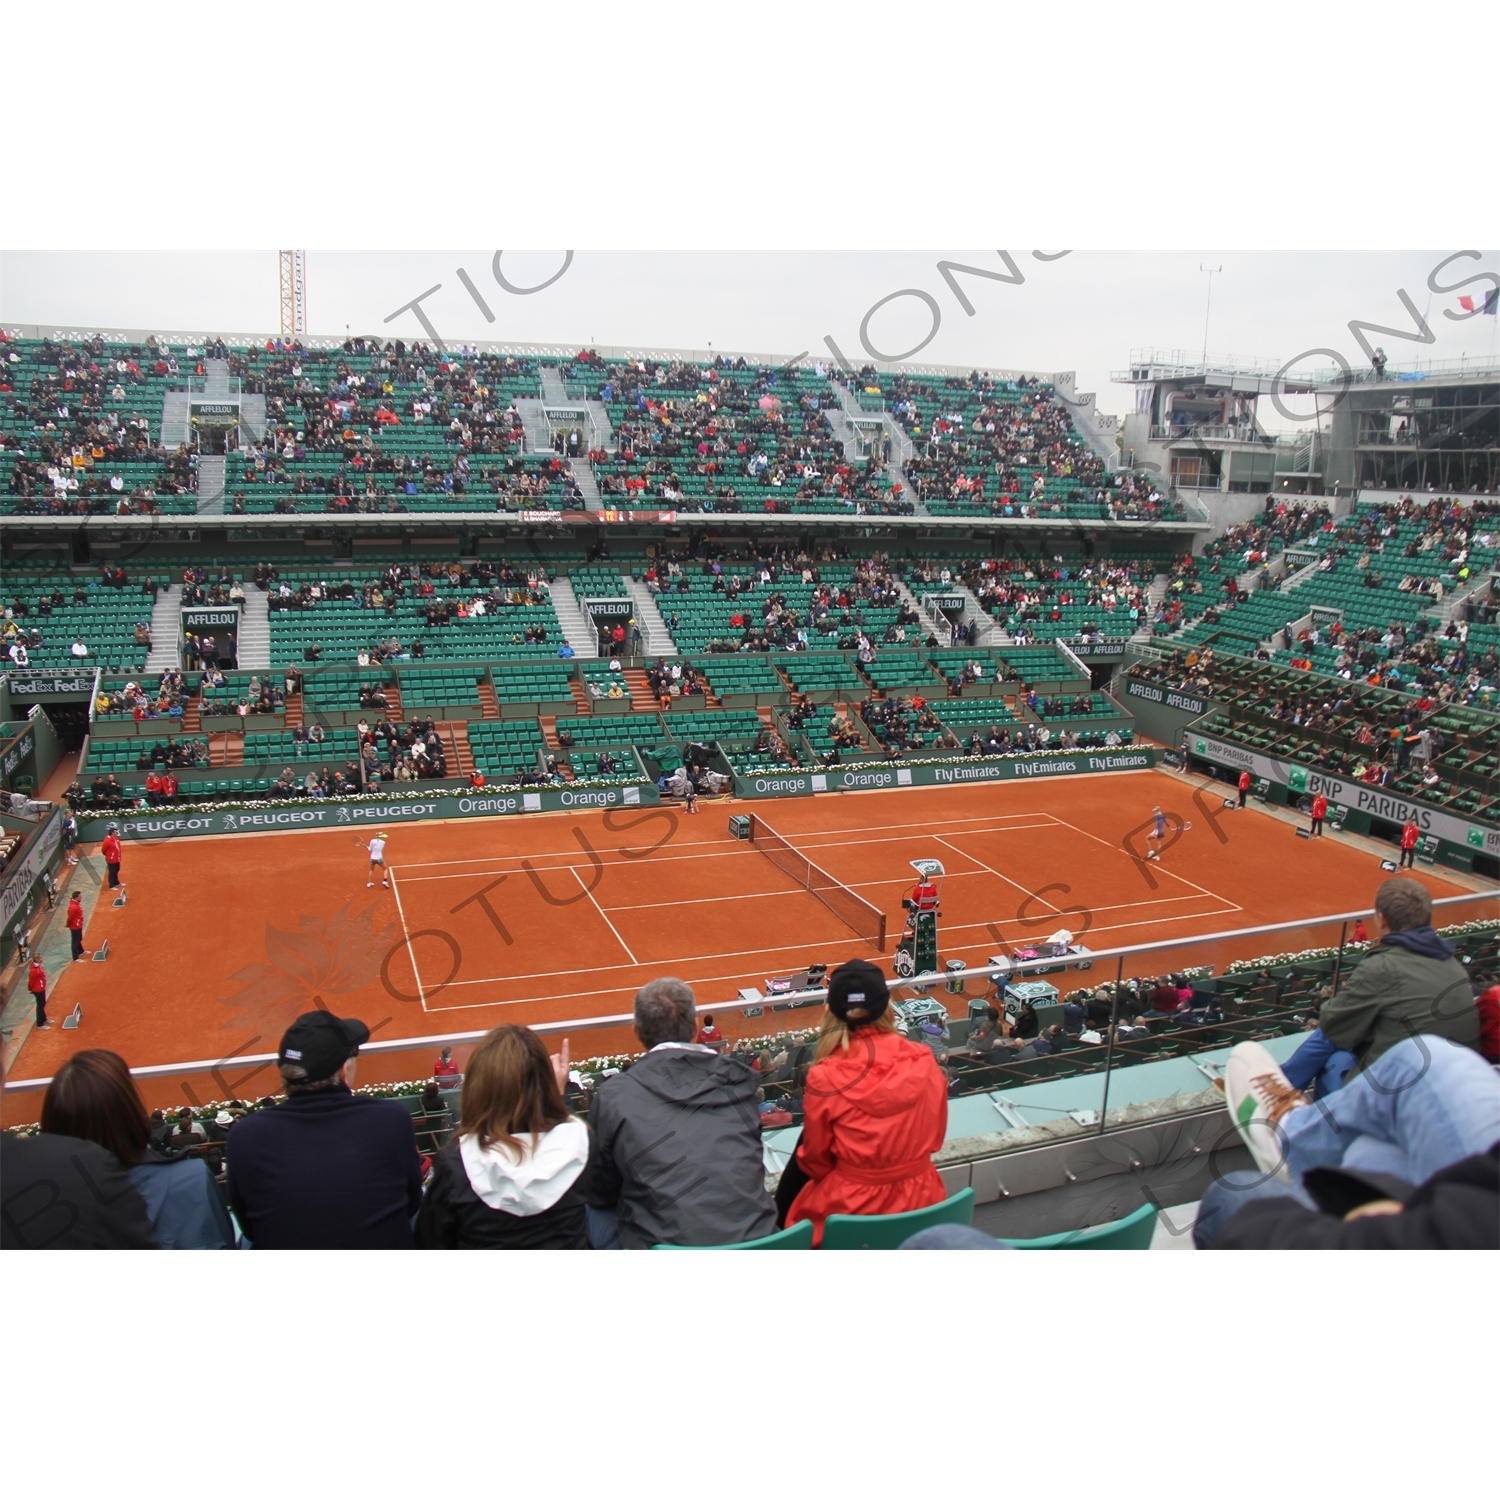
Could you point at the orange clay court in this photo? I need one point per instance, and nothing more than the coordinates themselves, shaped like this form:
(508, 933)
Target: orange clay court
(560, 916)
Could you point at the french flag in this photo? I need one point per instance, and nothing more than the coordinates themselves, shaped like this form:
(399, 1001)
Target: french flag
(1488, 304)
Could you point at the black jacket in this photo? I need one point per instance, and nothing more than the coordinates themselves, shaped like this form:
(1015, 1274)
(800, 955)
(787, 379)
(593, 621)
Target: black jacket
(679, 1151)
(325, 1171)
(58, 1193)
(455, 1217)
(1456, 1209)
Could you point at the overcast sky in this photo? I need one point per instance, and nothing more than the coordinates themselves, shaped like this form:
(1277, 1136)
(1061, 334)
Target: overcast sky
(1083, 312)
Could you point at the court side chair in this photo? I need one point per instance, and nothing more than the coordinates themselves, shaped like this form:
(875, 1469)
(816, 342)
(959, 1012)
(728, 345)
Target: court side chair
(891, 1231)
(1133, 1232)
(798, 1237)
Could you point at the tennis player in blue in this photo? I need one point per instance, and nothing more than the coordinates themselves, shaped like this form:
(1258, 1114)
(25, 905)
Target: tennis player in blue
(1158, 832)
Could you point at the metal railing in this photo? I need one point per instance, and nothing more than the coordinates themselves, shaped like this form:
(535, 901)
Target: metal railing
(1175, 432)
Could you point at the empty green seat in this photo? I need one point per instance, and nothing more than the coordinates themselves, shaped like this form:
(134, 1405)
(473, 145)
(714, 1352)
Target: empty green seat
(1130, 1233)
(891, 1231)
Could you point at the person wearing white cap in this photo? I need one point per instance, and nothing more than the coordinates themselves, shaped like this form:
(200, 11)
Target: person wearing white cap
(376, 846)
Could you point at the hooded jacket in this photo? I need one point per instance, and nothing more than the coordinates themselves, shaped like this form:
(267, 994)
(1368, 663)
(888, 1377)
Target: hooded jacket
(489, 1200)
(1409, 984)
(680, 1157)
(873, 1117)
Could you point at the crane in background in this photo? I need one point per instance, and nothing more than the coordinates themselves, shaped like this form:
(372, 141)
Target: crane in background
(293, 293)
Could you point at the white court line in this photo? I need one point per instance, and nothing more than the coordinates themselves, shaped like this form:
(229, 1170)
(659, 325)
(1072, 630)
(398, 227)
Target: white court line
(406, 938)
(1175, 876)
(796, 948)
(856, 836)
(621, 941)
(963, 854)
(865, 885)
(565, 860)
(977, 947)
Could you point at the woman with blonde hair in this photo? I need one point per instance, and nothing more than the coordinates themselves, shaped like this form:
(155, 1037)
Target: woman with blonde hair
(875, 1109)
(515, 1175)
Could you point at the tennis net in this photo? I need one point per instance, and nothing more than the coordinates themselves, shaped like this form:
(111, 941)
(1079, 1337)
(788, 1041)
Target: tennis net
(851, 909)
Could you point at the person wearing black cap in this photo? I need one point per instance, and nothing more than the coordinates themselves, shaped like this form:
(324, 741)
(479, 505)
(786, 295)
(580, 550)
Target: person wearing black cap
(876, 1108)
(325, 1169)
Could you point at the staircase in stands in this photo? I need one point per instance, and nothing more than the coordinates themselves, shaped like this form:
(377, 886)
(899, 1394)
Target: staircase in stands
(576, 629)
(212, 472)
(656, 639)
(583, 476)
(901, 444)
(166, 625)
(456, 732)
(642, 699)
(253, 645)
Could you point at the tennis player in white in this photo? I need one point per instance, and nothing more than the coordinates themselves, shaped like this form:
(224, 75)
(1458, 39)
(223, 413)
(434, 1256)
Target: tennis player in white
(376, 846)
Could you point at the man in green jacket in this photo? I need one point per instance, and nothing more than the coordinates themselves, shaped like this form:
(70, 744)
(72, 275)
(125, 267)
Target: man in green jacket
(1409, 984)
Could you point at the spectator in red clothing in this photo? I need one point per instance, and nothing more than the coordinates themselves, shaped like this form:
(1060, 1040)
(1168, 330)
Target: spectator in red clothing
(709, 1035)
(1488, 1005)
(1244, 786)
(153, 790)
(1361, 932)
(445, 1070)
(1166, 997)
(168, 786)
(875, 1109)
(36, 982)
(75, 925)
(110, 849)
(476, 779)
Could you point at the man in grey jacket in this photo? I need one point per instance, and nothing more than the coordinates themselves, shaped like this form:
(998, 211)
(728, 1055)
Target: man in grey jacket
(678, 1136)
(1408, 984)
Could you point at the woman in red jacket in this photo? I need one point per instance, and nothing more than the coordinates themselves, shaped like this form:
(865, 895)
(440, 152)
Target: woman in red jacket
(876, 1108)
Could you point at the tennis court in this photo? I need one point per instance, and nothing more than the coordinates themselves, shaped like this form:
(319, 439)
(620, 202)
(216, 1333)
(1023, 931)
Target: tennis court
(563, 916)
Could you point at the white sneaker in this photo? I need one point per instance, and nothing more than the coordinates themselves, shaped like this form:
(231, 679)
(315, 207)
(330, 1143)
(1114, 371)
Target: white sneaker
(386, 884)
(1259, 1098)
(369, 885)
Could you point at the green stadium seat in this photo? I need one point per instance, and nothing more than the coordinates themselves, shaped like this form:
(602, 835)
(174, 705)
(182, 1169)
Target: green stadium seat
(798, 1237)
(1133, 1232)
(891, 1231)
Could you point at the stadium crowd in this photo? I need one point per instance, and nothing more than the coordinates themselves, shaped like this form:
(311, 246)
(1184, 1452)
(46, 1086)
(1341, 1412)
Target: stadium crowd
(77, 425)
